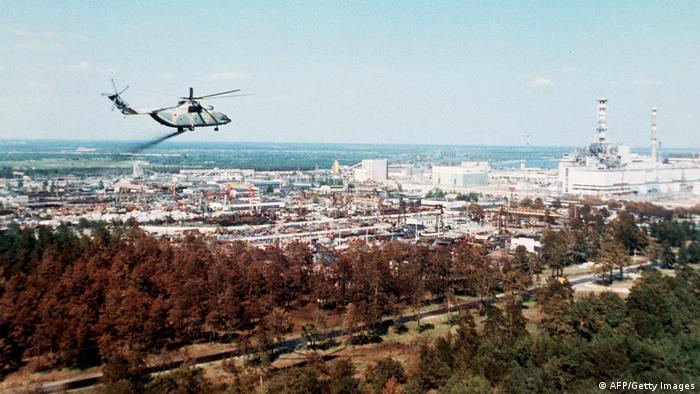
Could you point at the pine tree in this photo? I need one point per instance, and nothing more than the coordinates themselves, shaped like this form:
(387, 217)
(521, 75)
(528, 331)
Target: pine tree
(626, 232)
(514, 318)
(495, 323)
(384, 370)
(554, 251)
(342, 378)
(612, 256)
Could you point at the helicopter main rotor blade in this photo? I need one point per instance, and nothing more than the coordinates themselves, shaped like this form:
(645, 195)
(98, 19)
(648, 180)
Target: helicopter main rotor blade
(214, 94)
(149, 144)
(231, 95)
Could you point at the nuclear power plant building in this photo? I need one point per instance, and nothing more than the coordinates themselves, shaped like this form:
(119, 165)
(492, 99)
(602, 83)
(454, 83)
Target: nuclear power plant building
(469, 173)
(606, 169)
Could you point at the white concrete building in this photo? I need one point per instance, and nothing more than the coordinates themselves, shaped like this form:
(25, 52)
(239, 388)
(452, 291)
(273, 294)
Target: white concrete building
(375, 170)
(469, 173)
(605, 169)
(530, 244)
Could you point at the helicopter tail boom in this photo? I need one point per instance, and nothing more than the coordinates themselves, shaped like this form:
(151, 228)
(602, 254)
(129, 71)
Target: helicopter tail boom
(122, 105)
(119, 102)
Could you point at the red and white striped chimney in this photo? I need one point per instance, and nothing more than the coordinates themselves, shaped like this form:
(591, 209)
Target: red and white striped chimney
(602, 122)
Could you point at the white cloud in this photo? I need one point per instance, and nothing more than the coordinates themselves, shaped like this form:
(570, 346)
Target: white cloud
(169, 77)
(646, 82)
(544, 82)
(226, 76)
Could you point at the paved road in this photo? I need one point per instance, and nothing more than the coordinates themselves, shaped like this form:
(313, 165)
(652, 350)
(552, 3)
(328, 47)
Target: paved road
(94, 378)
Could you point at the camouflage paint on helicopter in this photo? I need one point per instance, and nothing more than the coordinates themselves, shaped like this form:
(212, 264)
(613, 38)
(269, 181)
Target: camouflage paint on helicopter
(187, 114)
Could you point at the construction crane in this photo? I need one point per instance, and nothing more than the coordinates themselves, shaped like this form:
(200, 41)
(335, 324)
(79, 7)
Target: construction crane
(173, 193)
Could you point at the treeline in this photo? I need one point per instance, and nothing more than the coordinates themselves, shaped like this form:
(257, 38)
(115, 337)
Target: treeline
(590, 237)
(675, 233)
(683, 236)
(650, 337)
(75, 300)
(70, 300)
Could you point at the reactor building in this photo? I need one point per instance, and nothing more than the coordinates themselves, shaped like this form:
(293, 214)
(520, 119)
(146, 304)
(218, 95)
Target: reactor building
(374, 170)
(606, 169)
(469, 173)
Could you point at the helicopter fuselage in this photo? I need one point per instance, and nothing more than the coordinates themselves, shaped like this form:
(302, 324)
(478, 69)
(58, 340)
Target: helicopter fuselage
(187, 115)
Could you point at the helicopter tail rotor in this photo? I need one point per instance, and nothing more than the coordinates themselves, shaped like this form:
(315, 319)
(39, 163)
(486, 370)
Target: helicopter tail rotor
(115, 88)
(117, 92)
(118, 102)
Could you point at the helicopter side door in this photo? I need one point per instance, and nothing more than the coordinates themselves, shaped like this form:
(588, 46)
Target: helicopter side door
(201, 117)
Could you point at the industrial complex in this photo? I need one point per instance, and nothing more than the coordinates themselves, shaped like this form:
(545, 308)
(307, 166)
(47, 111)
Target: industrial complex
(606, 169)
(370, 199)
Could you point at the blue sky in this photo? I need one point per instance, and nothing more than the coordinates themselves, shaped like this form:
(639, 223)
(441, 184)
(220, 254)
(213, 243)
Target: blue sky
(456, 72)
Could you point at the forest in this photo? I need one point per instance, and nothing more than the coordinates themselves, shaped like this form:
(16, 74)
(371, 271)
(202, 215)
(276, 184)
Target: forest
(113, 294)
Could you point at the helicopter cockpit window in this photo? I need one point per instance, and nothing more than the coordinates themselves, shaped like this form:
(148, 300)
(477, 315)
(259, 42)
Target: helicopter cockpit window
(194, 108)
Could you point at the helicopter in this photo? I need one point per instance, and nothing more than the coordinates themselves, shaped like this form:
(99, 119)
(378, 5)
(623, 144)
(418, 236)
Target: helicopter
(188, 114)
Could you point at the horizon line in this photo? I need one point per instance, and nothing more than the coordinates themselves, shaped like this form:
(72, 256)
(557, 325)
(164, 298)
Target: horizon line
(322, 143)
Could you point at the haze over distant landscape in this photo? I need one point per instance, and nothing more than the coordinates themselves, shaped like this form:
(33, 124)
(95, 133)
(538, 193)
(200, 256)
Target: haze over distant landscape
(395, 72)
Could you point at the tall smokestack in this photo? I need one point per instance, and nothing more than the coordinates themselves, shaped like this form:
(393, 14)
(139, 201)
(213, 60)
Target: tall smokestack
(654, 143)
(602, 124)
